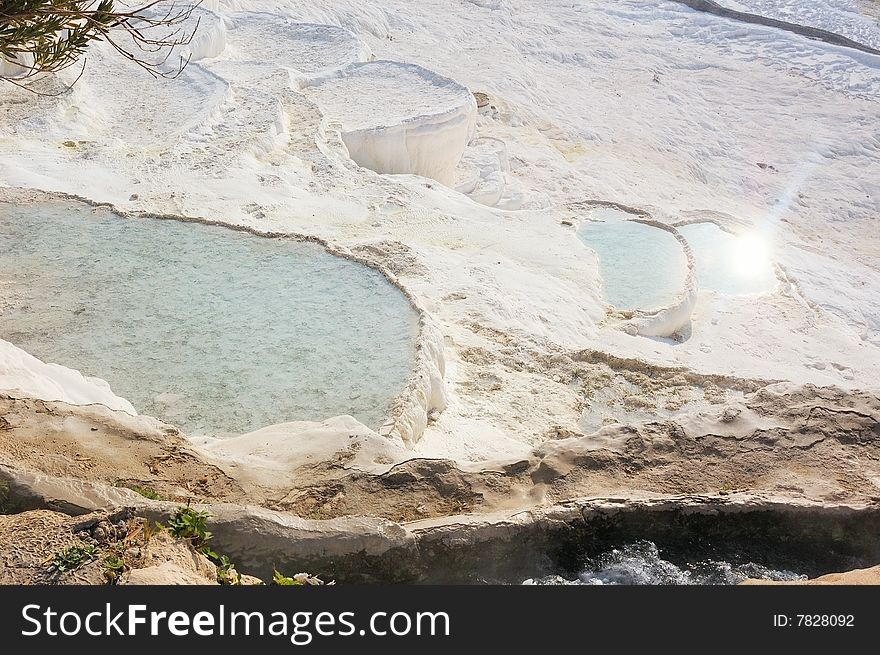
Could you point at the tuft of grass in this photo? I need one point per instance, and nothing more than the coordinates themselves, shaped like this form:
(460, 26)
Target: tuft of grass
(147, 492)
(459, 506)
(72, 557)
(282, 580)
(150, 529)
(300, 579)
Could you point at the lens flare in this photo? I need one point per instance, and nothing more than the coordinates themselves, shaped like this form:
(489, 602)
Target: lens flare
(750, 255)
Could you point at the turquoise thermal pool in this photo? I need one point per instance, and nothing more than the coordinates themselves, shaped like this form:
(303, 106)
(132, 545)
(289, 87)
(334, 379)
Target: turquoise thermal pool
(729, 263)
(214, 330)
(642, 267)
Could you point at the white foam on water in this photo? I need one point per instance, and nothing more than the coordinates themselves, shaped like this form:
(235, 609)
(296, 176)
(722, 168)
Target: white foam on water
(641, 563)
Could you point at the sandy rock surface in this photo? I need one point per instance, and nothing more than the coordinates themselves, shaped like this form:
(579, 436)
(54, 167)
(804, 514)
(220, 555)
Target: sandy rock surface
(869, 576)
(31, 541)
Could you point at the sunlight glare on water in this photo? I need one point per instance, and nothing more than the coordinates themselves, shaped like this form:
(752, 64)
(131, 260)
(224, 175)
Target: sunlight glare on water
(728, 263)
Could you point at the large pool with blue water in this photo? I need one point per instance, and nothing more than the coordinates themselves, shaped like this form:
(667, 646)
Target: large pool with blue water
(214, 330)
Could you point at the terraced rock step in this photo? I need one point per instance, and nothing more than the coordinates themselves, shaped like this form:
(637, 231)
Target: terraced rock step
(399, 118)
(307, 48)
(787, 476)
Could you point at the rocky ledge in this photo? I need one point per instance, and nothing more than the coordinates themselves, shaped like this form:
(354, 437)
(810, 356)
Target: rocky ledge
(788, 472)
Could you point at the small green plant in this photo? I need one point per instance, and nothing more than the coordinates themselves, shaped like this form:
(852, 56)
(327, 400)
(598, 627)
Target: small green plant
(226, 573)
(282, 580)
(459, 506)
(73, 557)
(150, 529)
(113, 566)
(190, 524)
(147, 492)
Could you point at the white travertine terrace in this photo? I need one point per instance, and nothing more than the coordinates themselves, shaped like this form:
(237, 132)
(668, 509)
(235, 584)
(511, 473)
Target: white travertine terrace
(651, 105)
(24, 374)
(209, 34)
(673, 318)
(304, 47)
(399, 118)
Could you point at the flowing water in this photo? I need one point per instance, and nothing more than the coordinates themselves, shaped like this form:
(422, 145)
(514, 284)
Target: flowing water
(641, 563)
